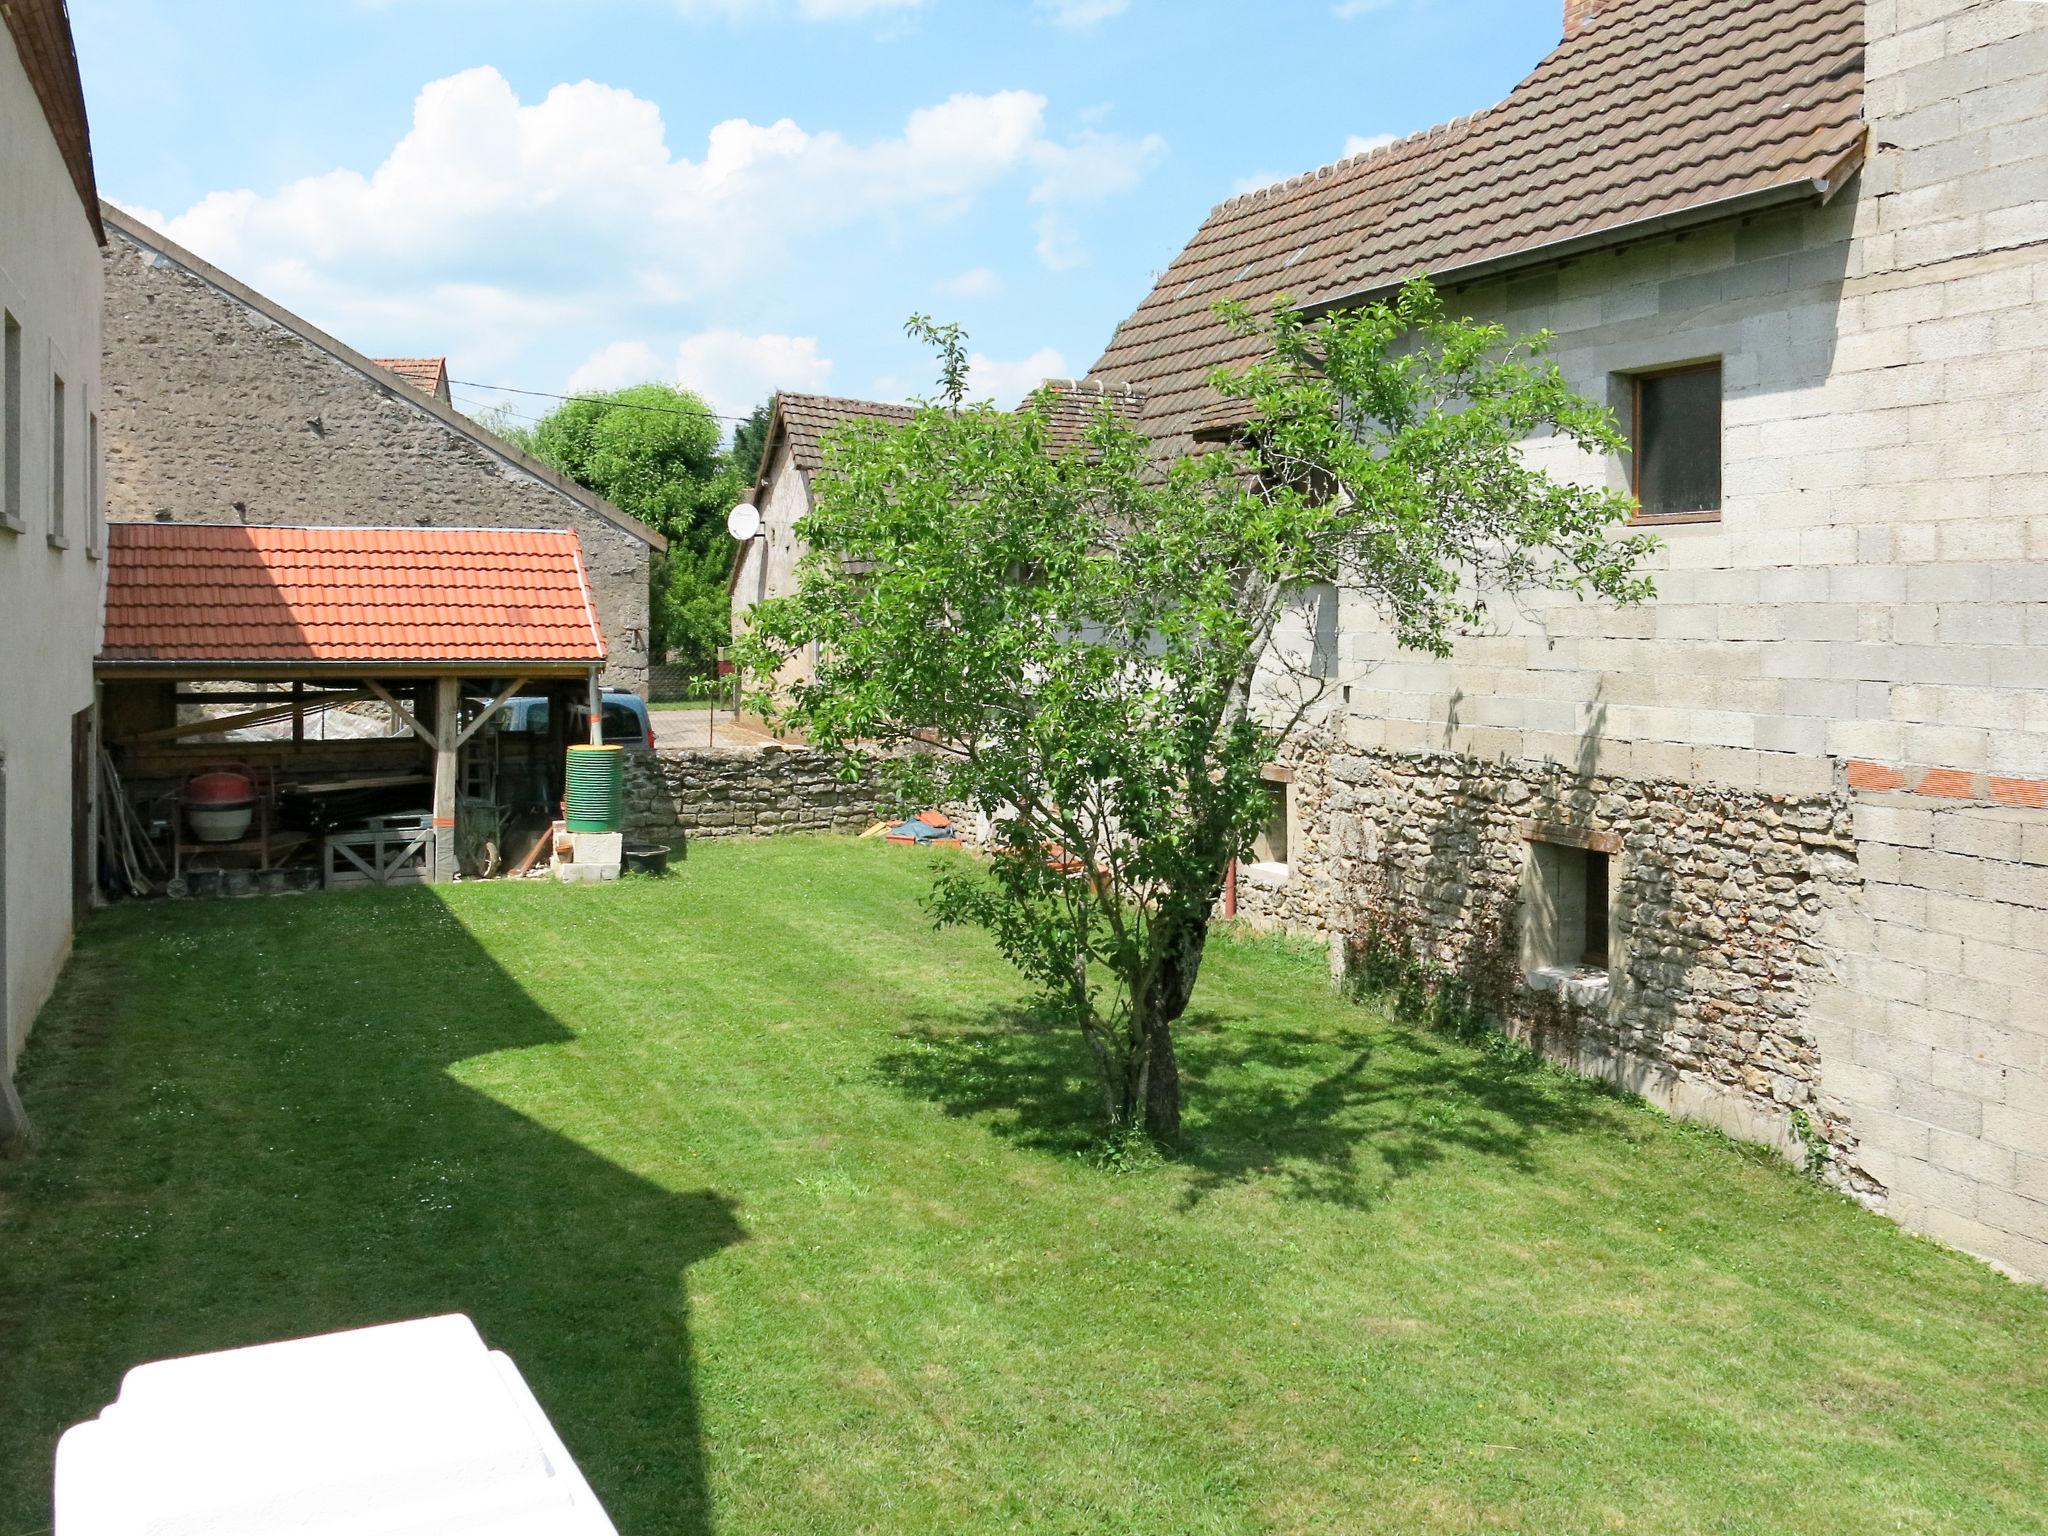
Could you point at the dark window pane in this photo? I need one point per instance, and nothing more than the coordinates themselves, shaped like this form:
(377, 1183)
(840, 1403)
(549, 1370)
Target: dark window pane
(1678, 442)
(1596, 911)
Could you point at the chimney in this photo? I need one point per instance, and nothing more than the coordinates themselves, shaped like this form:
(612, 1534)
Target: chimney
(1576, 14)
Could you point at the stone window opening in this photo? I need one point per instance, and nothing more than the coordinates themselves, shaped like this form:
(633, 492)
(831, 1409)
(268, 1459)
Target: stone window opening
(1567, 911)
(1674, 417)
(1272, 849)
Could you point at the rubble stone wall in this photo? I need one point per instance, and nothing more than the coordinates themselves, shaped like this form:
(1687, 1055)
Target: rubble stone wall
(742, 792)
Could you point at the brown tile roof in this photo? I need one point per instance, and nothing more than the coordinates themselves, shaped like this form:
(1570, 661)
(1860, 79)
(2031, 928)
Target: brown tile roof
(1076, 402)
(429, 375)
(42, 36)
(1653, 109)
(184, 592)
(806, 419)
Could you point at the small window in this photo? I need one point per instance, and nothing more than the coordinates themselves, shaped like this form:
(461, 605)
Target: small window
(95, 514)
(1322, 657)
(59, 490)
(1675, 457)
(621, 723)
(1270, 846)
(10, 423)
(1565, 906)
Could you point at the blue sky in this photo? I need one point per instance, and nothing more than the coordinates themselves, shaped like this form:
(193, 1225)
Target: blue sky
(741, 194)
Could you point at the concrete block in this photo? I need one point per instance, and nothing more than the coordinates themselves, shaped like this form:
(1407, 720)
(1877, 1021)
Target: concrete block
(2022, 1127)
(1941, 1107)
(1895, 825)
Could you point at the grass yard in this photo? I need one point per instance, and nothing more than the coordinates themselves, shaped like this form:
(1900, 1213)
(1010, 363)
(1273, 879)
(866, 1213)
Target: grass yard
(796, 1224)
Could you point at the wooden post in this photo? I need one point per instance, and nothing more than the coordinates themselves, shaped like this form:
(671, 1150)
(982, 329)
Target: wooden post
(446, 701)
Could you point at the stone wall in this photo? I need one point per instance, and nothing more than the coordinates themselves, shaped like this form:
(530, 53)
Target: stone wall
(1719, 900)
(216, 412)
(742, 792)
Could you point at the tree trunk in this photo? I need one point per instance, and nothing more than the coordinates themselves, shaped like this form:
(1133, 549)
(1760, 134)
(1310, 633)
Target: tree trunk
(1165, 1000)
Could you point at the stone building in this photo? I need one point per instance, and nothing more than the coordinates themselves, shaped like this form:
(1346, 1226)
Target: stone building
(50, 515)
(794, 457)
(791, 461)
(1772, 849)
(223, 407)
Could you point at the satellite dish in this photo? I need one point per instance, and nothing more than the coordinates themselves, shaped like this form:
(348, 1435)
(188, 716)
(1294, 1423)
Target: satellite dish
(743, 521)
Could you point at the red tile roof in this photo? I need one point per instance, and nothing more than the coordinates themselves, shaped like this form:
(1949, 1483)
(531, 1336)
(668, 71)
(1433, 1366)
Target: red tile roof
(429, 375)
(1653, 109)
(183, 592)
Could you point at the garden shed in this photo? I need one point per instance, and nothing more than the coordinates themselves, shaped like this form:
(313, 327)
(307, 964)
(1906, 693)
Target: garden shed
(369, 690)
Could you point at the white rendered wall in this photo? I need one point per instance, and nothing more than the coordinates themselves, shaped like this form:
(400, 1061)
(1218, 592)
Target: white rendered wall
(49, 597)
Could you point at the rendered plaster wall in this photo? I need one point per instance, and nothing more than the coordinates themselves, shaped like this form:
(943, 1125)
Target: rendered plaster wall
(217, 414)
(49, 582)
(767, 564)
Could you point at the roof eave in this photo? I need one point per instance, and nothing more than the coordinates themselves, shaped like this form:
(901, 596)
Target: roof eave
(218, 666)
(1819, 189)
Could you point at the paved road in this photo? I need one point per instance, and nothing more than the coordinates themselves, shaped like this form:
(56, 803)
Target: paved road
(697, 728)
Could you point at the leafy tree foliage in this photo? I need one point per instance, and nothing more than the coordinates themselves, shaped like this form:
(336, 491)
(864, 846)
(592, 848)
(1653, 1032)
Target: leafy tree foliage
(1091, 648)
(657, 452)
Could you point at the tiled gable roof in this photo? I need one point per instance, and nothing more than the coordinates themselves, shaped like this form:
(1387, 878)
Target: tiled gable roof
(1076, 403)
(426, 374)
(1654, 109)
(206, 593)
(42, 37)
(807, 419)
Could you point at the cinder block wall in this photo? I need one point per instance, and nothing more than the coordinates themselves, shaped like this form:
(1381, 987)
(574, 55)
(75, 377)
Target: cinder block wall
(216, 414)
(1864, 627)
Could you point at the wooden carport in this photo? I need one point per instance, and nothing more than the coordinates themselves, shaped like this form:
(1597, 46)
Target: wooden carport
(439, 627)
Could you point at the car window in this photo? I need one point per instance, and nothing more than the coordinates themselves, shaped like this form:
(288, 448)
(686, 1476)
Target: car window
(621, 723)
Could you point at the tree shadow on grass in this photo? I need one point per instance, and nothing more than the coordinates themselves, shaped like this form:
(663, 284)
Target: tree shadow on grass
(1337, 1115)
(267, 1142)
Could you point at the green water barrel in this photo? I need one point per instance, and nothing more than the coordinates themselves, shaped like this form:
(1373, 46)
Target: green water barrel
(596, 801)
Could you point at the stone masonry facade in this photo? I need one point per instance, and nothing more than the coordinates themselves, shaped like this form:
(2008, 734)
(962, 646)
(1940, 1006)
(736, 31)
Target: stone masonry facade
(215, 412)
(1719, 905)
(743, 792)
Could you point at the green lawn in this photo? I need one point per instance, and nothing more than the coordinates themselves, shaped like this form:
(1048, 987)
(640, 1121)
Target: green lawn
(795, 1224)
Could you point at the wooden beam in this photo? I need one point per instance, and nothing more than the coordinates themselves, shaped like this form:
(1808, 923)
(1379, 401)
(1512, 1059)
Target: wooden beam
(282, 710)
(447, 701)
(490, 709)
(405, 714)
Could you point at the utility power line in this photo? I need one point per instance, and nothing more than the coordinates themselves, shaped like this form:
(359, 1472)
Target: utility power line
(624, 405)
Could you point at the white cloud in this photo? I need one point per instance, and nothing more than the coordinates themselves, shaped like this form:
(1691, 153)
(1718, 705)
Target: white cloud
(1255, 181)
(617, 366)
(736, 371)
(1366, 143)
(506, 190)
(1082, 14)
(1093, 166)
(1007, 382)
(1059, 243)
(974, 283)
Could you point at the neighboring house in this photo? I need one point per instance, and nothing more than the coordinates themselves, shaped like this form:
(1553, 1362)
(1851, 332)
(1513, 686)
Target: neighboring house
(794, 457)
(223, 407)
(791, 460)
(429, 375)
(1773, 849)
(50, 518)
